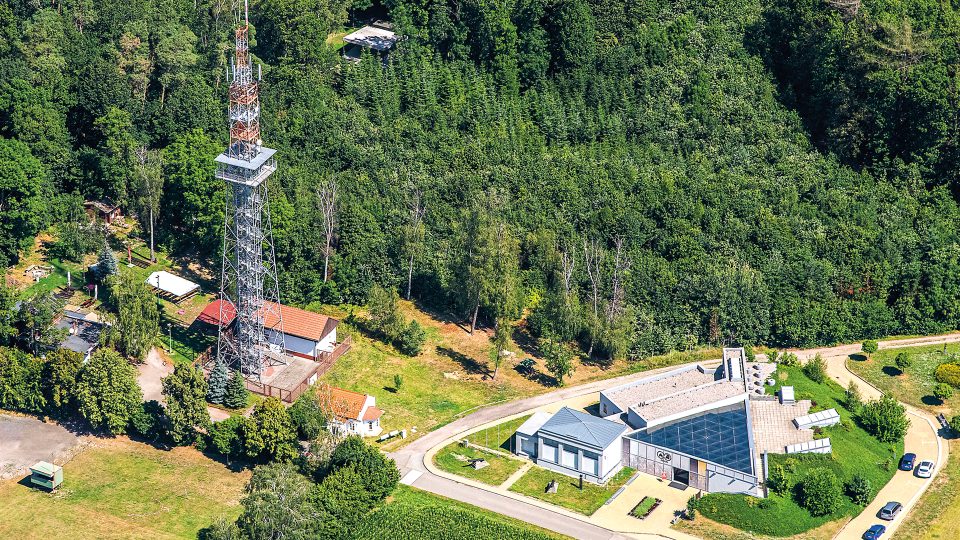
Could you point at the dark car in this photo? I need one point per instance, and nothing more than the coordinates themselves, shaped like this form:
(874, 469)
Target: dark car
(907, 461)
(874, 533)
(890, 511)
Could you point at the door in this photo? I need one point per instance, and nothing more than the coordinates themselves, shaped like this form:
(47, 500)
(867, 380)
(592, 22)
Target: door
(682, 476)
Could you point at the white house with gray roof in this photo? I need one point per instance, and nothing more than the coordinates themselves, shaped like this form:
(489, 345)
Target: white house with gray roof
(573, 443)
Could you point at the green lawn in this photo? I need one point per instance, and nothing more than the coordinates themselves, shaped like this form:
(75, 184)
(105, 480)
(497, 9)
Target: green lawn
(426, 400)
(643, 507)
(499, 436)
(56, 279)
(416, 515)
(854, 451)
(534, 483)
(916, 385)
(123, 489)
(454, 458)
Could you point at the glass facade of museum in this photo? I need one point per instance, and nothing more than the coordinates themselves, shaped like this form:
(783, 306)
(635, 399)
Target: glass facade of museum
(709, 451)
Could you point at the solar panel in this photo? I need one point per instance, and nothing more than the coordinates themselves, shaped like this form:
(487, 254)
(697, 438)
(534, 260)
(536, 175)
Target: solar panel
(721, 436)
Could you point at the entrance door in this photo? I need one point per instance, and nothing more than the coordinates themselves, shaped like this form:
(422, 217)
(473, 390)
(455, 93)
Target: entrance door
(682, 476)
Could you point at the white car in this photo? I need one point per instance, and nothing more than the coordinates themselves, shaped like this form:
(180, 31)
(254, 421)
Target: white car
(925, 469)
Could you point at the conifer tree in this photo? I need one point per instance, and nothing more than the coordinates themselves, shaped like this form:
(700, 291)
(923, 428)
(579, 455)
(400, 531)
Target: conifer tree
(107, 262)
(236, 396)
(217, 385)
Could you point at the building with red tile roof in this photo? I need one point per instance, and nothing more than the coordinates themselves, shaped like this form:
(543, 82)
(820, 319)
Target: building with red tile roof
(305, 334)
(353, 412)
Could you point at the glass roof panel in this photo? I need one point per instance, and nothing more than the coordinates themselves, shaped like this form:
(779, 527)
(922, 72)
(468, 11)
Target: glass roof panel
(720, 435)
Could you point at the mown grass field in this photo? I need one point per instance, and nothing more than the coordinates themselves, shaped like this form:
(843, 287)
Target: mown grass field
(937, 515)
(123, 489)
(854, 451)
(454, 458)
(411, 514)
(587, 501)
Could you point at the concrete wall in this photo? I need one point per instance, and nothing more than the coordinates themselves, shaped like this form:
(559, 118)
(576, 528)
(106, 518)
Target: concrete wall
(608, 407)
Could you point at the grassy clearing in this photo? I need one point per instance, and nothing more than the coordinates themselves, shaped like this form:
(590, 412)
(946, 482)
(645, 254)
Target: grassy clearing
(455, 459)
(937, 514)
(451, 377)
(854, 451)
(588, 501)
(414, 514)
(124, 489)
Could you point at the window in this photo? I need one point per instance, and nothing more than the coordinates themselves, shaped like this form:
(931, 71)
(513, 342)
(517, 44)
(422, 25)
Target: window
(550, 452)
(590, 464)
(603, 407)
(569, 458)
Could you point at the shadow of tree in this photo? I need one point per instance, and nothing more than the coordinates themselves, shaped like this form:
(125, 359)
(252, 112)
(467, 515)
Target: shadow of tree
(857, 357)
(469, 365)
(892, 371)
(931, 401)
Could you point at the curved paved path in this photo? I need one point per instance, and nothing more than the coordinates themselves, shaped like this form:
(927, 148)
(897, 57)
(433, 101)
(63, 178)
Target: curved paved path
(413, 457)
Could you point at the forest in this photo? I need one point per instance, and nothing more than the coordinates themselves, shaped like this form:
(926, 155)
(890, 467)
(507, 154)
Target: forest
(634, 176)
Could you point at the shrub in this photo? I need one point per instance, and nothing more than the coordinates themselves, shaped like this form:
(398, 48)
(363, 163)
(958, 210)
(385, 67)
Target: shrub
(885, 419)
(859, 489)
(816, 369)
(307, 416)
(955, 423)
(379, 473)
(226, 436)
(942, 391)
(820, 492)
(691, 508)
(903, 361)
(870, 346)
(397, 382)
(410, 341)
(949, 374)
(780, 481)
(854, 399)
(147, 420)
(20, 381)
(788, 359)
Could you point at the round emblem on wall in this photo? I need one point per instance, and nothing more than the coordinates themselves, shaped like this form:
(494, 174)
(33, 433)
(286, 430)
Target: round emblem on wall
(664, 456)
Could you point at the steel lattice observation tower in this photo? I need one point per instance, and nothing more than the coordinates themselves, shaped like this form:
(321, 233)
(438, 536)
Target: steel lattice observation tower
(249, 274)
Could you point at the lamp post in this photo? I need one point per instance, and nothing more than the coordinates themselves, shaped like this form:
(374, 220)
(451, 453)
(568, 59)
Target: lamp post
(170, 337)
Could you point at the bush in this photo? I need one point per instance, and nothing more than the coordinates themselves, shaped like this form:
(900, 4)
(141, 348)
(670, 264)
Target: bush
(397, 382)
(885, 419)
(820, 492)
(816, 369)
(942, 391)
(870, 346)
(411, 340)
(147, 420)
(691, 508)
(853, 398)
(307, 416)
(269, 433)
(859, 489)
(379, 473)
(955, 424)
(780, 481)
(949, 374)
(903, 361)
(20, 382)
(788, 359)
(226, 436)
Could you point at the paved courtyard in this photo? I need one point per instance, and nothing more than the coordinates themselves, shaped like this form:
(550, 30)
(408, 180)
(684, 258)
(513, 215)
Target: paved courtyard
(25, 441)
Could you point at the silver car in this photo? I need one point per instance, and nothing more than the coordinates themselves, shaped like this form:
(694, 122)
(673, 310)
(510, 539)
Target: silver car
(925, 469)
(890, 511)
